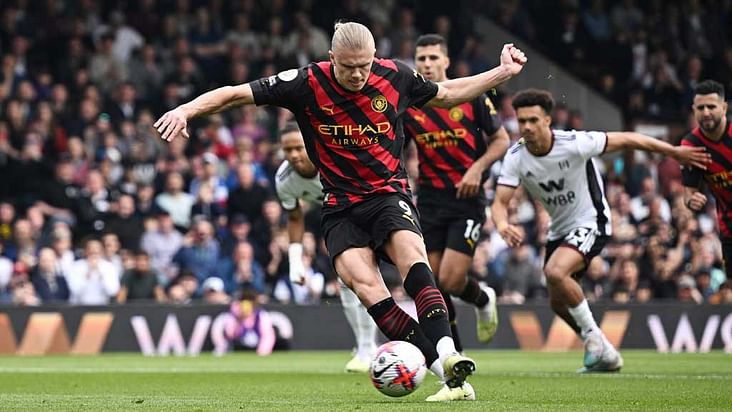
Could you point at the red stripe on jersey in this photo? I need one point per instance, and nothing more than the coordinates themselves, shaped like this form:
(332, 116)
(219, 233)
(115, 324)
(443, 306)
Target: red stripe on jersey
(442, 130)
(342, 129)
(387, 63)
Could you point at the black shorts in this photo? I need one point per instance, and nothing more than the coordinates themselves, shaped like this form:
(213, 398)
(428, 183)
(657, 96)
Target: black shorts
(369, 224)
(450, 223)
(727, 256)
(588, 242)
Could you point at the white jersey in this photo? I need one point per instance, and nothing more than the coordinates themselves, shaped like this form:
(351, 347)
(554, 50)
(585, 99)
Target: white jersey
(291, 187)
(564, 180)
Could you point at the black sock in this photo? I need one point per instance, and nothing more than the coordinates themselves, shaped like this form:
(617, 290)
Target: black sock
(452, 317)
(431, 309)
(397, 325)
(474, 294)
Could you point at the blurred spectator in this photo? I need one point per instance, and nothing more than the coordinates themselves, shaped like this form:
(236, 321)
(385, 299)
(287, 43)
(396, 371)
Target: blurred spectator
(125, 223)
(214, 291)
(92, 280)
(140, 283)
(240, 270)
(249, 196)
(48, 278)
(6, 272)
(175, 201)
(161, 243)
(249, 326)
(200, 251)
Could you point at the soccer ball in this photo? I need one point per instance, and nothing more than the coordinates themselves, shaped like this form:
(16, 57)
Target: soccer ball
(398, 368)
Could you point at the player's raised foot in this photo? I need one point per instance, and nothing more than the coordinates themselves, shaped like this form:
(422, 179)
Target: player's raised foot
(594, 349)
(461, 393)
(457, 368)
(611, 361)
(356, 365)
(487, 317)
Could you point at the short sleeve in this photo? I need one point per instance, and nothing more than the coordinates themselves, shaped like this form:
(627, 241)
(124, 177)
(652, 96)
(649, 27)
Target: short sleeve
(591, 144)
(486, 115)
(287, 200)
(691, 176)
(414, 86)
(285, 89)
(509, 175)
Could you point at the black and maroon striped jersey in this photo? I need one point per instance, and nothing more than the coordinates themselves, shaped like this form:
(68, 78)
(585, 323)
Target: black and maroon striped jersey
(449, 141)
(354, 138)
(718, 176)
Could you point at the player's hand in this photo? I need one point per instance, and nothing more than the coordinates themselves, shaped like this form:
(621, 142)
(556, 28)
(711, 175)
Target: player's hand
(692, 156)
(512, 59)
(697, 201)
(172, 124)
(297, 273)
(513, 235)
(469, 185)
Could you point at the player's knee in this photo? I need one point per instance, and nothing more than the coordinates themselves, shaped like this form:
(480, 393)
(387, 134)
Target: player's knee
(452, 283)
(554, 274)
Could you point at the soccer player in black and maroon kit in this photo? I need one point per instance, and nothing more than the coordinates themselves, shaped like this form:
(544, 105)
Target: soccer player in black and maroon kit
(453, 155)
(349, 111)
(715, 134)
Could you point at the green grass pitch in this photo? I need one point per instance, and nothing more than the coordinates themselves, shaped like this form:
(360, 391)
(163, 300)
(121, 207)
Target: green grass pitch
(314, 381)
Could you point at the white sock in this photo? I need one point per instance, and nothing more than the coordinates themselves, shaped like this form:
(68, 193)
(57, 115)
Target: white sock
(436, 368)
(583, 316)
(445, 347)
(366, 334)
(351, 305)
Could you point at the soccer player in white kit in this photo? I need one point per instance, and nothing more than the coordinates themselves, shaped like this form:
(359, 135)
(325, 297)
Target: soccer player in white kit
(297, 179)
(555, 167)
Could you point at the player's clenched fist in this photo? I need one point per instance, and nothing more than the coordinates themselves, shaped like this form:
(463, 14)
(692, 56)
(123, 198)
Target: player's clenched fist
(697, 201)
(172, 124)
(512, 59)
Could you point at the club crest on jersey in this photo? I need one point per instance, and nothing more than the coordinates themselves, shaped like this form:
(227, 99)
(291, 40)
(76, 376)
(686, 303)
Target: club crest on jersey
(456, 114)
(379, 104)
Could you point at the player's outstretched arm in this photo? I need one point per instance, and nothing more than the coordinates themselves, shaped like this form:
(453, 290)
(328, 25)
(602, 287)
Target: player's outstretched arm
(686, 155)
(174, 123)
(455, 91)
(499, 213)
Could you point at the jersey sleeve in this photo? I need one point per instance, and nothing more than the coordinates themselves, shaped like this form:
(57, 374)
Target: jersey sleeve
(691, 176)
(486, 115)
(285, 89)
(591, 144)
(288, 200)
(414, 86)
(509, 175)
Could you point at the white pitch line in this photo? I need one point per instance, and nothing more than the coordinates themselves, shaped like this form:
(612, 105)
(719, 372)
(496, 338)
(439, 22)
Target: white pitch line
(518, 374)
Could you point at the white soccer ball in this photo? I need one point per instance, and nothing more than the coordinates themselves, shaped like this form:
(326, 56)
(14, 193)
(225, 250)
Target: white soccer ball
(398, 368)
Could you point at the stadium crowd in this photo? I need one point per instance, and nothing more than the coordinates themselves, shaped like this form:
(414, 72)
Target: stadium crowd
(96, 208)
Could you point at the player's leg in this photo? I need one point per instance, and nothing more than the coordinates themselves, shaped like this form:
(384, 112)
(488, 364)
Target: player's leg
(358, 269)
(454, 279)
(565, 293)
(363, 327)
(435, 259)
(406, 249)
(355, 264)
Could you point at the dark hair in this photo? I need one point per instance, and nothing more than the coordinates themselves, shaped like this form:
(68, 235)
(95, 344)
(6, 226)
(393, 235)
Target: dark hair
(432, 39)
(289, 127)
(534, 97)
(709, 87)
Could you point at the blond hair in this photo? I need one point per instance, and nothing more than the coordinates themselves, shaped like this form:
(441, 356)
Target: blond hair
(351, 35)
